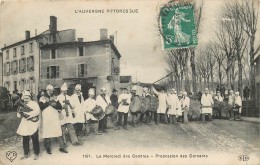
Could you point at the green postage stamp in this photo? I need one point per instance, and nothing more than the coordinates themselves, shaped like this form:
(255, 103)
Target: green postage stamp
(177, 26)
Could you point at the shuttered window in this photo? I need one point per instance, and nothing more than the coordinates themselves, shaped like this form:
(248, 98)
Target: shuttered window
(53, 72)
(82, 70)
(30, 63)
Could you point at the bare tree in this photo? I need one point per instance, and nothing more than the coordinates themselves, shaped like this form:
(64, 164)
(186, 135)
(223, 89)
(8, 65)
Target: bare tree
(237, 35)
(249, 11)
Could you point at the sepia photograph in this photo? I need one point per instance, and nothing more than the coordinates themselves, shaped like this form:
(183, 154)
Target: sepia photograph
(130, 82)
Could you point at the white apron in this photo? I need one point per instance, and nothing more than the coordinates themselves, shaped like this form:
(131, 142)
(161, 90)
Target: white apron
(206, 101)
(162, 103)
(79, 112)
(88, 105)
(172, 101)
(238, 101)
(124, 108)
(28, 127)
(66, 119)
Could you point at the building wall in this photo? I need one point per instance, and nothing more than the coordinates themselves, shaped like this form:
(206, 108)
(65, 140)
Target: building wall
(8, 80)
(97, 58)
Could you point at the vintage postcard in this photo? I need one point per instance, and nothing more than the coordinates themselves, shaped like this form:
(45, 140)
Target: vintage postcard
(129, 82)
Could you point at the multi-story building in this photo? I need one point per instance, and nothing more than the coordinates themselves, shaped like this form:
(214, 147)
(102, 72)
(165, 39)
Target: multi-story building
(93, 64)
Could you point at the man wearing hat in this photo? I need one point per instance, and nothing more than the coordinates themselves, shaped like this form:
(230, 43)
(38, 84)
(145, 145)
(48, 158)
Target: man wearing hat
(68, 116)
(88, 105)
(123, 109)
(238, 105)
(114, 102)
(163, 102)
(173, 102)
(78, 101)
(231, 102)
(206, 105)
(51, 109)
(29, 128)
(103, 101)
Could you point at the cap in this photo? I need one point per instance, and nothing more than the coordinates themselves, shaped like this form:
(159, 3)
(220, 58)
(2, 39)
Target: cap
(103, 89)
(114, 90)
(64, 87)
(49, 87)
(134, 88)
(25, 93)
(78, 87)
(184, 93)
(236, 93)
(91, 91)
(206, 89)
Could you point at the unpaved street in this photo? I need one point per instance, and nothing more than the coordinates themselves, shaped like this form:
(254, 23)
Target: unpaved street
(200, 142)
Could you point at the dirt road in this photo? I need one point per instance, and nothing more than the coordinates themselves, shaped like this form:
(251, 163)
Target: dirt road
(220, 140)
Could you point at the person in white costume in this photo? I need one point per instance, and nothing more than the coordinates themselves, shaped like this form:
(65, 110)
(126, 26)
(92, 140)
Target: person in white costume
(78, 100)
(88, 105)
(68, 115)
(123, 109)
(161, 111)
(173, 103)
(238, 104)
(206, 105)
(51, 109)
(185, 106)
(103, 101)
(29, 128)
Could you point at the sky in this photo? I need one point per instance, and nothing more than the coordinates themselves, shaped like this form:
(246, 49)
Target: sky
(137, 36)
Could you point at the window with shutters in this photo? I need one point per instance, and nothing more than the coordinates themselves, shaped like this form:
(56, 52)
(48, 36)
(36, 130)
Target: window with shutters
(82, 70)
(31, 47)
(22, 85)
(14, 67)
(53, 54)
(14, 52)
(30, 63)
(22, 50)
(22, 65)
(53, 72)
(7, 69)
(7, 54)
(81, 51)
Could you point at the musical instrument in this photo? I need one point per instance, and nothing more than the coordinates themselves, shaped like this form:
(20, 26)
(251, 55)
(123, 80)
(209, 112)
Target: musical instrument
(139, 104)
(66, 106)
(22, 107)
(110, 109)
(154, 104)
(98, 112)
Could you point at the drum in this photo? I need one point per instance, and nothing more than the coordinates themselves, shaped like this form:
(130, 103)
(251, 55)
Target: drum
(98, 112)
(110, 110)
(139, 104)
(154, 104)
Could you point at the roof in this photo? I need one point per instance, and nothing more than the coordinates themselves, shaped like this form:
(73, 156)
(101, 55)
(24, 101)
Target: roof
(256, 57)
(77, 43)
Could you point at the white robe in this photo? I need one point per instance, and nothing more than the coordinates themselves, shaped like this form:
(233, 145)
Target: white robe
(79, 112)
(66, 119)
(102, 103)
(162, 103)
(206, 101)
(50, 121)
(88, 105)
(172, 101)
(185, 102)
(28, 127)
(124, 108)
(238, 101)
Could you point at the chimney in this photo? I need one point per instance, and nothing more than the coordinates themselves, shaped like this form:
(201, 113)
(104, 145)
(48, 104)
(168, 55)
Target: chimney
(103, 34)
(80, 39)
(53, 24)
(27, 34)
(112, 38)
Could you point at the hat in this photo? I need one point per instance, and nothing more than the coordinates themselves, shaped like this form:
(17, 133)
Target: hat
(218, 91)
(134, 88)
(49, 87)
(78, 87)
(91, 91)
(145, 89)
(236, 93)
(206, 89)
(103, 89)
(114, 90)
(179, 95)
(231, 91)
(184, 93)
(25, 93)
(64, 87)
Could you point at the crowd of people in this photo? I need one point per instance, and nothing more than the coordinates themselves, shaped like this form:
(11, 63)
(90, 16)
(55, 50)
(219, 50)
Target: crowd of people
(58, 115)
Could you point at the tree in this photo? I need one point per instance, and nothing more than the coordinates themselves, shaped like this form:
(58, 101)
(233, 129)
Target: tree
(249, 10)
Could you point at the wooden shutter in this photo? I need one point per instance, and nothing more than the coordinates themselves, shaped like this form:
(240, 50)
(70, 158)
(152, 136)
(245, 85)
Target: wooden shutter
(5, 69)
(57, 71)
(48, 72)
(85, 70)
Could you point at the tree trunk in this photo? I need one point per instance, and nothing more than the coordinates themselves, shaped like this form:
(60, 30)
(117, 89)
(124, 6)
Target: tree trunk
(219, 74)
(252, 69)
(193, 71)
(240, 78)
